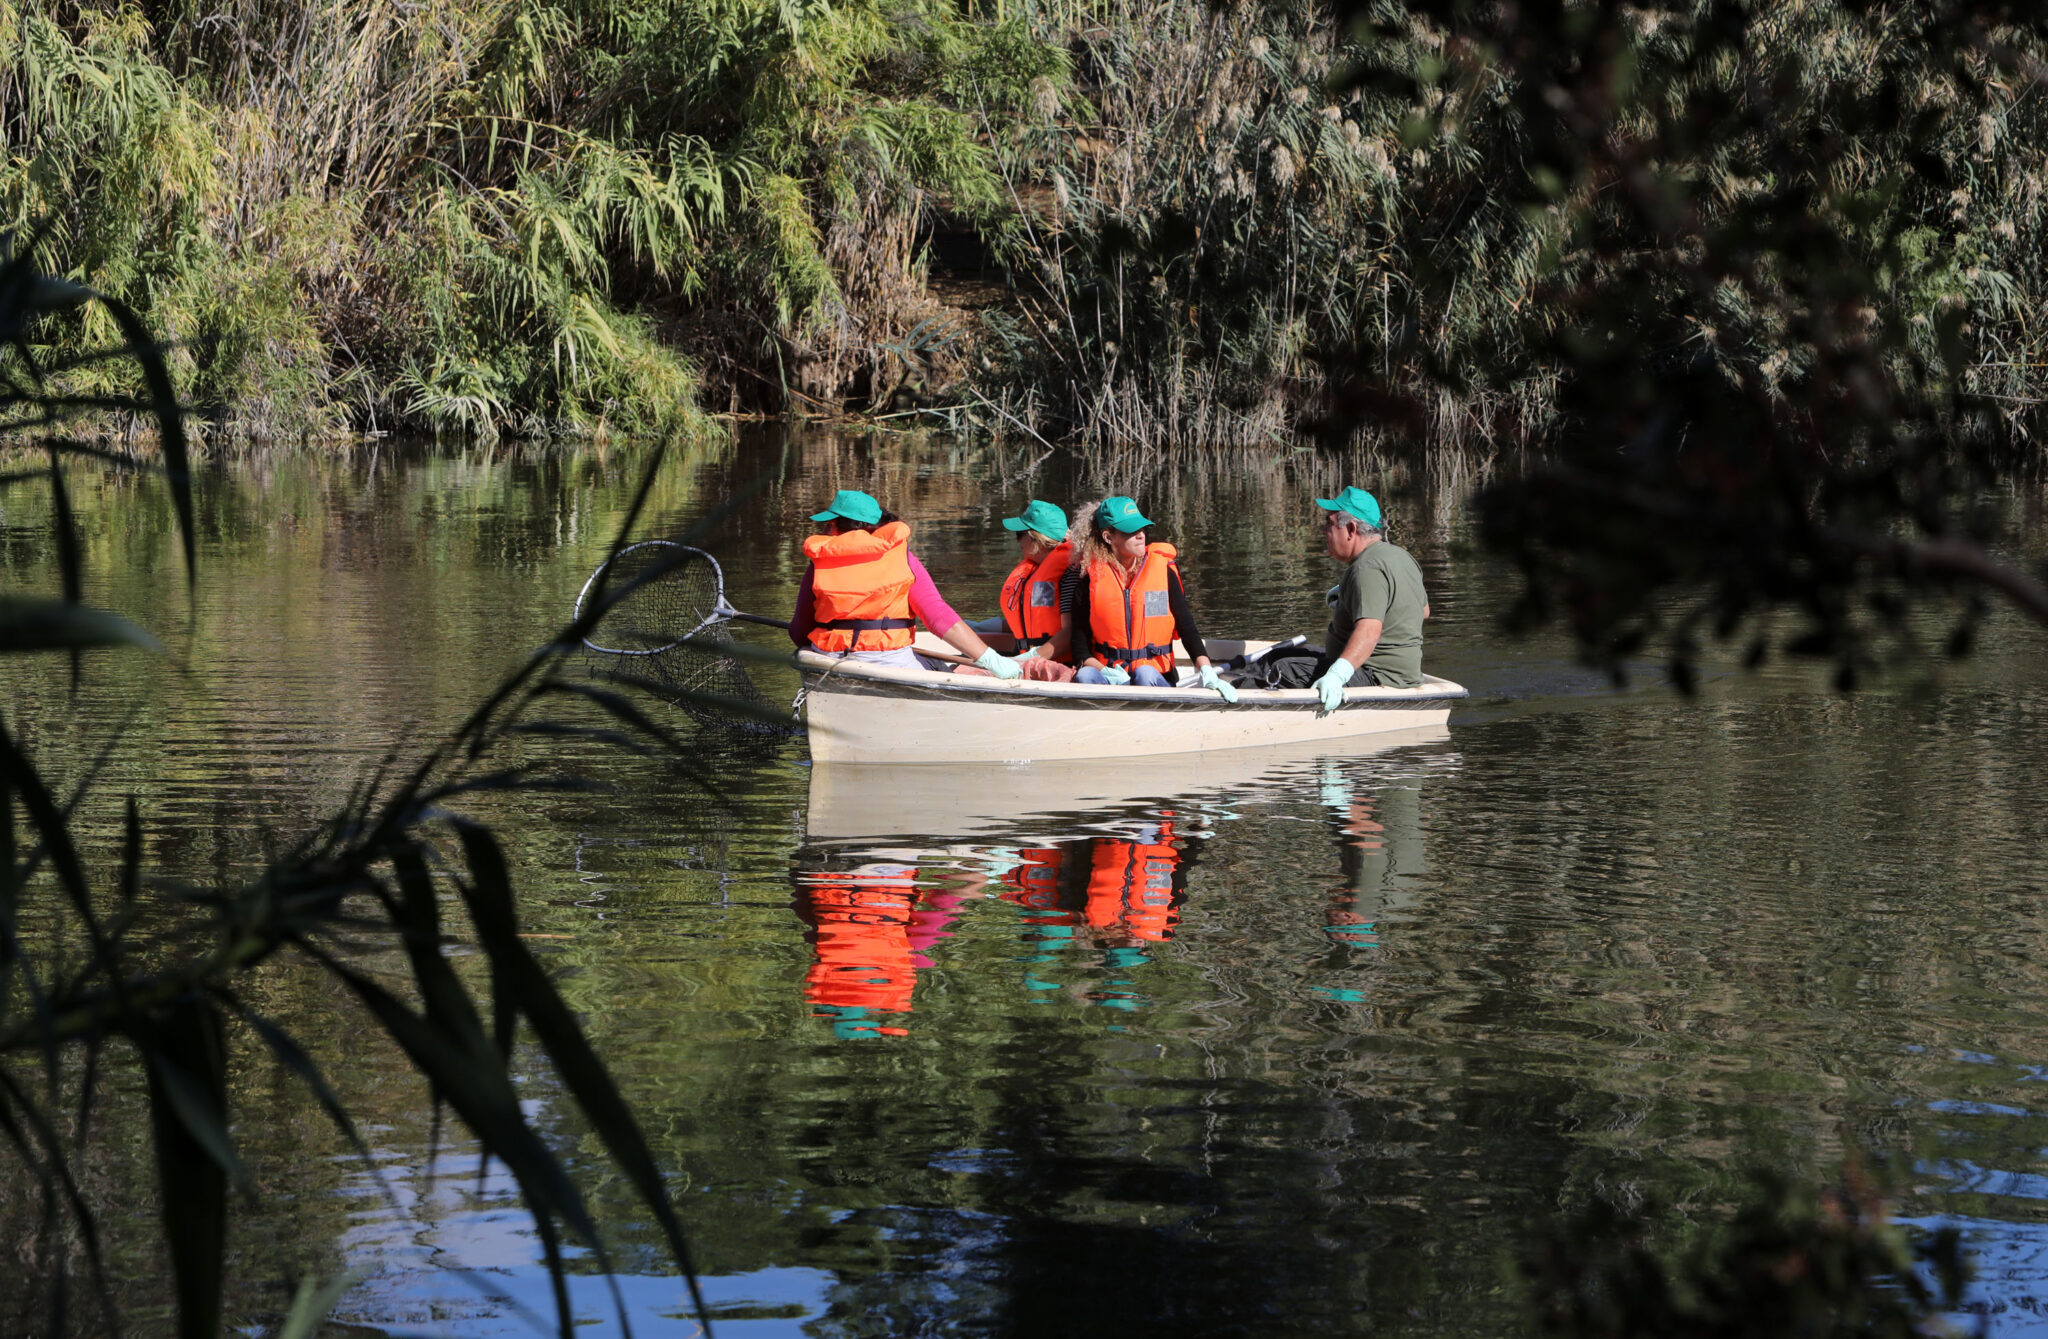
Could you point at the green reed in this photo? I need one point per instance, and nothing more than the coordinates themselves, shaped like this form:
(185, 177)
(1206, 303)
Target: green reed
(127, 972)
(1201, 222)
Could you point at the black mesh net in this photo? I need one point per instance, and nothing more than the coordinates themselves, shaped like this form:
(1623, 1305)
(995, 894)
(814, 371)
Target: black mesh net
(666, 632)
(660, 594)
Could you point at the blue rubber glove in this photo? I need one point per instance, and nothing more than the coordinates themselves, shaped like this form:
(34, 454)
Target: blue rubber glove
(999, 665)
(1210, 679)
(1333, 683)
(1116, 674)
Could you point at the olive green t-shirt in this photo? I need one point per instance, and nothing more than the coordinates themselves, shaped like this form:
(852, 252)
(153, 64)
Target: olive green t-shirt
(1382, 583)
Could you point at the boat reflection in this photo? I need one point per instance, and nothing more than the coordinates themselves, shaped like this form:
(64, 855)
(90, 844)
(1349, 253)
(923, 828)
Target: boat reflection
(853, 802)
(1095, 860)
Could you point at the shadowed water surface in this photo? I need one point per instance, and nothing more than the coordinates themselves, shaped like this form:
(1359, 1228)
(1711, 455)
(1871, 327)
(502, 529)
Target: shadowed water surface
(1239, 1044)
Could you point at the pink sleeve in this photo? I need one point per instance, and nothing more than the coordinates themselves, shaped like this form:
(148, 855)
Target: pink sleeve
(932, 611)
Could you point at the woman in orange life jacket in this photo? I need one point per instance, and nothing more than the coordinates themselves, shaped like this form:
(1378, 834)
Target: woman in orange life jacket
(1040, 633)
(865, 592)
(1127, 606)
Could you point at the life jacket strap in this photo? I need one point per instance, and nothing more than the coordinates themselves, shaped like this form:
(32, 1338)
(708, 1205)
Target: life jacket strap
(1125, 655)
(867, 624)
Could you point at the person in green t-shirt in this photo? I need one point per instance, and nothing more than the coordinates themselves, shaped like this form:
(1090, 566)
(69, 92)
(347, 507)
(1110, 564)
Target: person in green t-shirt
(1376, 611)
(1375, 635)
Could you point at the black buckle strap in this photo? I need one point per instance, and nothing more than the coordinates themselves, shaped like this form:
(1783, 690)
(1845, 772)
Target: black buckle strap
(1125, 655)
(867, 624)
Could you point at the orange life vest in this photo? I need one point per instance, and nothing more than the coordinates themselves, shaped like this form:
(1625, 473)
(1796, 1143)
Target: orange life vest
(1037, 879)
(862, 938)
(860, 588)
(1130, 884)
(1133, 625)
(1031, 598)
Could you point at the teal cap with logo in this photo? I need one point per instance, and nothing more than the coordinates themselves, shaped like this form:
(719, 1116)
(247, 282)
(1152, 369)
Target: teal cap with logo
(1120, 513)
(1355, 503)
(1043, 517)
(851, 504)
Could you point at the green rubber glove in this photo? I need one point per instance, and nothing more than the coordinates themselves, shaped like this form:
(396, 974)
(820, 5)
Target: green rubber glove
(1116, 674)
(999, 664)
(1210, 679)
(1333, 683)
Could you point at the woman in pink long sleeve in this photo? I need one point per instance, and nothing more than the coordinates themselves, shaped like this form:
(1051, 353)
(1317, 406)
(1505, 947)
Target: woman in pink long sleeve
(865, 592)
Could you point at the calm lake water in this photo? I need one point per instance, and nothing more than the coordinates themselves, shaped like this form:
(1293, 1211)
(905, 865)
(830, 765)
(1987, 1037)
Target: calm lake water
(1222, 1045)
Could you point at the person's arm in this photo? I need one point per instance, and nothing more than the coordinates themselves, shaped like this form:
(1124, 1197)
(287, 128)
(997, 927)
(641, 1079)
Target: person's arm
(1062, 641)
(1375, 598)
(930, 609)
(1184, 619)
(806, 616)
(964, 639)
(1061, 647)
(936, 614)
(1075, 607)
(1365, 636)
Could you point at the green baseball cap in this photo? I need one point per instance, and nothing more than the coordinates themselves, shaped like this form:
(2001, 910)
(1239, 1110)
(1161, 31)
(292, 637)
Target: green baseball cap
(1120, 513)
(852, 505)
(1356, 503)
(1043, 517)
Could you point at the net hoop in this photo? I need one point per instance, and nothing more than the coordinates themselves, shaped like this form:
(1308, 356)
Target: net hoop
(683, 554)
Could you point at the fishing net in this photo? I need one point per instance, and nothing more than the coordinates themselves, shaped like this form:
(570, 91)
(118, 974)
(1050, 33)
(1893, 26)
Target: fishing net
(666, 629)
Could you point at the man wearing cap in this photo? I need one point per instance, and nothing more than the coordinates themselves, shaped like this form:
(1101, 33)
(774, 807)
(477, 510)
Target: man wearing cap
(865, 593)
(1040, 633)
(1376, 611)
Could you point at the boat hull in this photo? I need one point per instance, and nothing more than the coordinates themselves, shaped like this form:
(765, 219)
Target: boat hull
(863, 713)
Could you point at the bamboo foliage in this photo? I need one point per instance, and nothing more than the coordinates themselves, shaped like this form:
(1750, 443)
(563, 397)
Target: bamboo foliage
(1784, 287)
(529, 216)
(507, 215)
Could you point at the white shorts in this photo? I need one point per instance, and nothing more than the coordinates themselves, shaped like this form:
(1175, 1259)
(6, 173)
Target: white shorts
(901, 657)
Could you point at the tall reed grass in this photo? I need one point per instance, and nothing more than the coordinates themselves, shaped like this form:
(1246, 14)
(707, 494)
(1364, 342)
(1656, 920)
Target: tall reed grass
(1209, 222)
(495, 216)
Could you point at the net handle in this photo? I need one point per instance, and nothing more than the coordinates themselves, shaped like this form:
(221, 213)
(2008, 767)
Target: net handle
(718, 611)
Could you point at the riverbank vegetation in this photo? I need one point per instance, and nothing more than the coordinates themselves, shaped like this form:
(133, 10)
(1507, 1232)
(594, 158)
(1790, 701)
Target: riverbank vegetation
(1109, 222)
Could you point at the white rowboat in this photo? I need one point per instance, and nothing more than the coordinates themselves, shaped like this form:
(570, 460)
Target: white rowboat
(859, 712)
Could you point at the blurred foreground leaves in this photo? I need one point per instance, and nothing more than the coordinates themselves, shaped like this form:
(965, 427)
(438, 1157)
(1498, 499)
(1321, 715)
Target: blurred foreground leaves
(1789, 364)
(122, 968)
(1790, 1263)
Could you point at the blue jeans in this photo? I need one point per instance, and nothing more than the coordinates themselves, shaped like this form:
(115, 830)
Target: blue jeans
(1144, 676)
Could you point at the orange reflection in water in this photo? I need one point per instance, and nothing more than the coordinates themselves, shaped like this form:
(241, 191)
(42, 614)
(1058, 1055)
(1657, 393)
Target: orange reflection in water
(1129, 891)
(870, 928)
